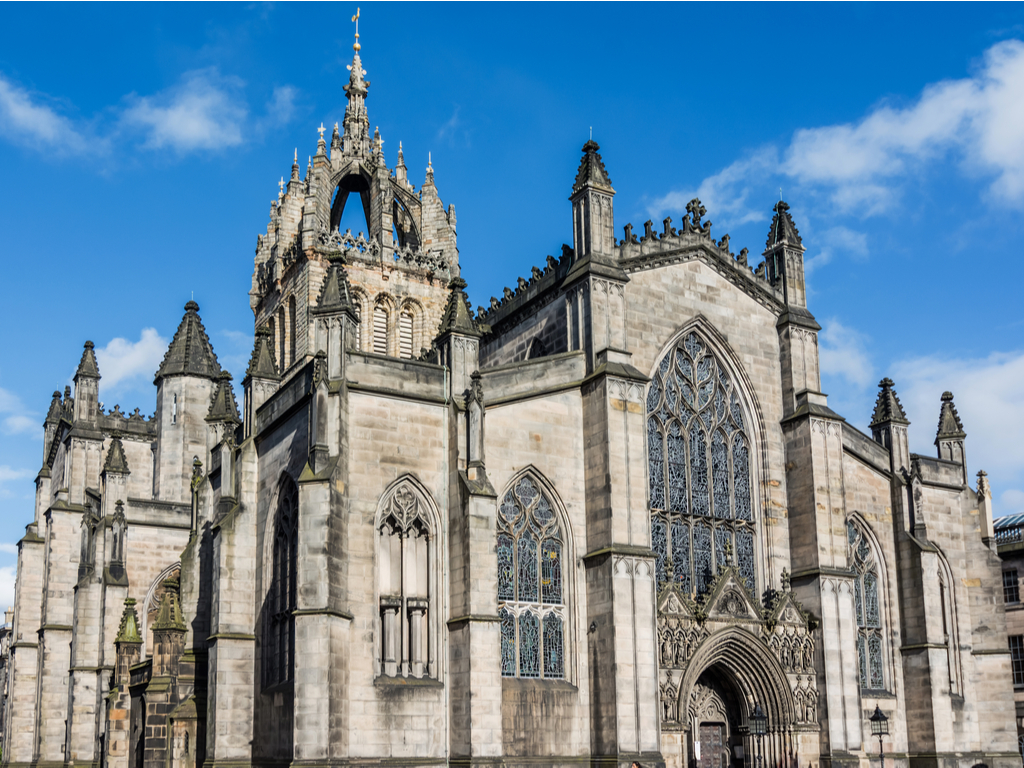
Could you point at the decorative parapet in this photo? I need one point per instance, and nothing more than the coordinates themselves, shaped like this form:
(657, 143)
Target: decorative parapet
(540, 280)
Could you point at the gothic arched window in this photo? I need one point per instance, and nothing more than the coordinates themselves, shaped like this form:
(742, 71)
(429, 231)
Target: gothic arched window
(279, 619)
(699, 466)
(531, 584)
(868, 606)
(405, 334)
(407, 538)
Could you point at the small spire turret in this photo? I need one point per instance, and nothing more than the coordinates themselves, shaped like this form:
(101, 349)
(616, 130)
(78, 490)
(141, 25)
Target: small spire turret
(295, 165)
(889, 425)
(949, 438)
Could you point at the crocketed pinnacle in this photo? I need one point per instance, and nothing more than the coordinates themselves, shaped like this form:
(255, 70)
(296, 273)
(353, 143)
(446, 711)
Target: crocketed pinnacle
(116, 460)
(950, 426)
(782, 230)
(87, 366)
(190, 352)
(336, 293)
(56, 410)
(262, 364)
(458, 316)
(170, 616)
(888, 409)
(222, 404)
(128, 632)
(592, 171)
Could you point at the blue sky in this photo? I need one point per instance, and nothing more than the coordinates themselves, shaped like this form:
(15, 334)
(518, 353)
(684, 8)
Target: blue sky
(141, 146)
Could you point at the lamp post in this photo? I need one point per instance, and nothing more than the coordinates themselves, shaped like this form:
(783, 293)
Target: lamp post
(758, 728)
(879, 728)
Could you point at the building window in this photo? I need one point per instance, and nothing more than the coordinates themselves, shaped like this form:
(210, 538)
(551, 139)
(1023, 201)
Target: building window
(357, 307)
(279, 619)
(868, 607)
(1017, 658)
(1011, 587)
(174, 409)
(699, 467)
(531, 584)
(282, 341)
(291, 330)
(380, 330)
(406, 545)
(405, 335)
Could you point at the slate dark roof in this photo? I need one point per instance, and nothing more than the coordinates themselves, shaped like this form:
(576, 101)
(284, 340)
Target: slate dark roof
(457, 317)
(888, 408)
(262, 364)
(782, 229)
(222, 405)
(56, 410)
(87, 366)
(950, 427)
(592, 170)
(190, 352)
(116, 460)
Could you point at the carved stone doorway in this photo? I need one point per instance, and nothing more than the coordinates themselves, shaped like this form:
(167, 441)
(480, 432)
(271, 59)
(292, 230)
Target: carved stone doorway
(715, 716)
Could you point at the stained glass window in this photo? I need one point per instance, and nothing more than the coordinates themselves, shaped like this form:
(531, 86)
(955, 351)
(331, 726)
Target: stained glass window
(867, 608)
(279, 627)
(531, 582)
(699, 469)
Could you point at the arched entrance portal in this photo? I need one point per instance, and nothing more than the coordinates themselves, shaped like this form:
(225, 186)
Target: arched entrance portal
(716, 722)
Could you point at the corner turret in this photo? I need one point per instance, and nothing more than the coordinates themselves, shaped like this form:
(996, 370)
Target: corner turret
(593, 225)
(949, 438)
(87, 382)
(889, 425)
(784, 257)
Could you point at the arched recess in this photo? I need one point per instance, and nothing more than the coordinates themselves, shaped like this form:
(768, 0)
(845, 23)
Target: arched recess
(740, 661)
(950, 624)
(364, 316)
(409, 586)
(872, 553)
(406, 230)
(744, 412)
(537, 512)
(151, 603)
(382, 325)
(344, 184)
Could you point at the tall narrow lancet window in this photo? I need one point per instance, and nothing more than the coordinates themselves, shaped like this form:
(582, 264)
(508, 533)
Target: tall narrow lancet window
(699, 466)
(380, 330)
(282, 341)
(531, 583)
(292, 335)
(359, 324)
(867, 600)
(278, 618)
(406, 542)
(405, 335)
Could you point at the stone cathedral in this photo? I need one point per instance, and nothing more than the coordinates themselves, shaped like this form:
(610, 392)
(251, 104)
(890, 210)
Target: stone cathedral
(602, 521)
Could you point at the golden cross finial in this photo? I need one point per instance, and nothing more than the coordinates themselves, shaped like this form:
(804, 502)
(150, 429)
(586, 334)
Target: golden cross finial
(280, 185)
(355, 18)
(321, 130)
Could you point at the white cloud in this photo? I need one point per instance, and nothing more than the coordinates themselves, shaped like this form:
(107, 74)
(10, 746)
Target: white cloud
(1010, 502)
(280, 108)
(842, 352)
(7, 576)
(10, 474)
(989, 396)
(122, 360)
(837, 240)
(8, 548)
(14, 417)
(20, 424)
(204, 111)
(26, 120)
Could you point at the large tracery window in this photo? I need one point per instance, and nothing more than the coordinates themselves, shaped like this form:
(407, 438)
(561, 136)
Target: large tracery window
(279, 618)
(699, 470)
(531, 584)
(868, 608)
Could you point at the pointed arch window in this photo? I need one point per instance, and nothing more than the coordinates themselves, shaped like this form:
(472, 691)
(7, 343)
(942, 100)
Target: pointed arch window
(279, 618)
(867, 600)
(380, 330)
(699, 469)
(405, 325)
(407, 583)
(531, 584)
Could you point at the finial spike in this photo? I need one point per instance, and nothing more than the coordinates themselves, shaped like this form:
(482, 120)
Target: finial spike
(295, 159)
(321, 129)
(356, 46)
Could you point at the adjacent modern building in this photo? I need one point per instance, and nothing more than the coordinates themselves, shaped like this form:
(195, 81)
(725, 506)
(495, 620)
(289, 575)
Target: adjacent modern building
(609, 518)
(1010, 541)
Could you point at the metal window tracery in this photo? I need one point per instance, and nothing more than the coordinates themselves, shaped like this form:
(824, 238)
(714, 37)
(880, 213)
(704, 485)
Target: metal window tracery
(531, 578)
(867, 606)
(698, 457)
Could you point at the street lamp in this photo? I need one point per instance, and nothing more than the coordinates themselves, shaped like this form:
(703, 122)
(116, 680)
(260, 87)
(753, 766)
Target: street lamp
(879, 728)
(758, 727)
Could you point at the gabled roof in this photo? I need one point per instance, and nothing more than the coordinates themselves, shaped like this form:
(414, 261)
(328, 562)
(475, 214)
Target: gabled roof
(190, 352)
(222, 404)
(950, 427)
(262, 364)
(336, 293)
(457, 317)
(782, 230)
(888, 408)
(592, 171)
